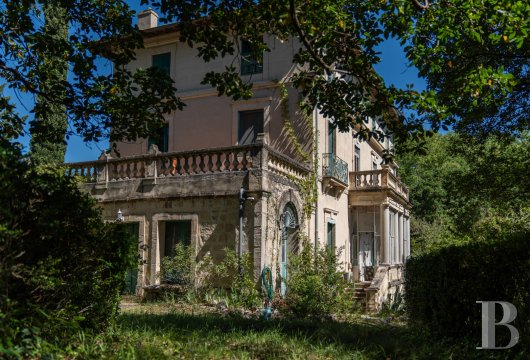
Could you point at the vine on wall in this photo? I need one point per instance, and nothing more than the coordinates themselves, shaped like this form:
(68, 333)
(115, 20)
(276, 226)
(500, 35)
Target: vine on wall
(307, 184)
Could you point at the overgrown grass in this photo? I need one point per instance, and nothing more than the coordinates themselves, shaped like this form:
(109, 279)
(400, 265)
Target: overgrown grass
(169, 331)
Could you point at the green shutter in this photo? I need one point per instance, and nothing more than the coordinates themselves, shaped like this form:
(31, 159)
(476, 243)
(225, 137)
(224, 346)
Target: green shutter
(249, 63)
(163, 62)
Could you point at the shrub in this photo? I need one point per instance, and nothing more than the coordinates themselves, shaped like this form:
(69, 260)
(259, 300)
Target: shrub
(443, 286)
(178, 269)
(216, 278)
(62, 268)
(315, 287)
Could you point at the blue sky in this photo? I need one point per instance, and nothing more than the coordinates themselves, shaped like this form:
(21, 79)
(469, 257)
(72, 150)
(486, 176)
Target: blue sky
(393, 67)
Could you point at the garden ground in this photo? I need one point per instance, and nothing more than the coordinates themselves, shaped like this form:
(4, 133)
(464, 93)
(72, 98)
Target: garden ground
(170, 330)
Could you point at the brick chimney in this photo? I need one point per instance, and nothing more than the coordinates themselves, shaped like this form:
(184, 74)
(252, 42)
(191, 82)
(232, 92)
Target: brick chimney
(147, 19)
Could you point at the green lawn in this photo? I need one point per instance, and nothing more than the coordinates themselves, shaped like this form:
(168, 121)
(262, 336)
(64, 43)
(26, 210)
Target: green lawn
(169, 331)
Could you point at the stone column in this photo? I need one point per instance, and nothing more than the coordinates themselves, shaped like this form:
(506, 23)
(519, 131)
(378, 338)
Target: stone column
(400, 238)
(407, 236)
(258, 244)
(396, 237)
(386, 234)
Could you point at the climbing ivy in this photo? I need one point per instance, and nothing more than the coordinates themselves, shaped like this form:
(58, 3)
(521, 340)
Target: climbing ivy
(307, 184)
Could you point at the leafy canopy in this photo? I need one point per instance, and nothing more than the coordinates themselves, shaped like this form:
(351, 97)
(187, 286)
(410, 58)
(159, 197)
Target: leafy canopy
(100, 33)
(473, 53)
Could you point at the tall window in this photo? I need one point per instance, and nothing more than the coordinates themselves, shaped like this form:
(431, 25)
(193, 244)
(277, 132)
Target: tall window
(177, 232)
(162, 62)
(331, 137)
(161, 139)
(331, 236)
(357, 159)
(250, 64)
(250, 125)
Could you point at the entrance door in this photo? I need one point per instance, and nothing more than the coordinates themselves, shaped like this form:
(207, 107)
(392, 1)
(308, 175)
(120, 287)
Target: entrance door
(289, 243)
(366, 255)
(131, 276)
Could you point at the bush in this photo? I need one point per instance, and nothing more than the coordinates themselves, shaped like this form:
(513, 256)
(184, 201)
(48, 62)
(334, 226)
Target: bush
(178, 269)
(62, 268)
(224, 280)
(314, 286)
(443, 286)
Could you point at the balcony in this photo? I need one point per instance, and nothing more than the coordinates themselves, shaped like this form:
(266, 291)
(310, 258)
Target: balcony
(215, 171)
(334, 171)
(378, 181)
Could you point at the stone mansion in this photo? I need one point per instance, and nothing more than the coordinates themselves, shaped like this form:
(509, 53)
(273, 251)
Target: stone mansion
(185, 185)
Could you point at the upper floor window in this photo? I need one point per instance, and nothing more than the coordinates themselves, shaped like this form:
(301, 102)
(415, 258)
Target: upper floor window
(162, 62)
(357, 159)
(250, 64)
(331, 138)
(250, 125)
(161, 139)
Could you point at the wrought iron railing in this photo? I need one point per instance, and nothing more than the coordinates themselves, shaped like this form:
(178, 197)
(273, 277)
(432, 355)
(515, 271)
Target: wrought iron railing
(335, 167)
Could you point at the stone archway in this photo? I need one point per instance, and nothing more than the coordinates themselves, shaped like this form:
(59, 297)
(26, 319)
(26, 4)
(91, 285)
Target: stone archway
(289, 226)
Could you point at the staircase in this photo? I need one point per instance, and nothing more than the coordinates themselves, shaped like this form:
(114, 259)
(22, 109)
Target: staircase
(359, 295)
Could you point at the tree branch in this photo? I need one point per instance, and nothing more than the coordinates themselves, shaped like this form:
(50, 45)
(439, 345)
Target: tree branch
(421, 6)
(305, 40)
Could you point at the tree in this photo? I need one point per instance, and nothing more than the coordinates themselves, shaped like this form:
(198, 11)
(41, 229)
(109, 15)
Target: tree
(32, 58)
(462, 184)
(47, 133)
(474, 55)
(61, 267)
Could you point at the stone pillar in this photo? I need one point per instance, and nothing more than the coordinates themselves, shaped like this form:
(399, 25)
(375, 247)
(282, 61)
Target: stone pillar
(386, 234)
(407, 236)
(154, 250)
(259, 250)
(400, 238)
(396, 237)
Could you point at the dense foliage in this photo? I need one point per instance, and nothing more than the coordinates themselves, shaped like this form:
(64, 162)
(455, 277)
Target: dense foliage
(95, 96)
(224, 280)
(472, 53)
(315, 286)
(177, 269)
(443, 286)
(61, 267)
(462, 183)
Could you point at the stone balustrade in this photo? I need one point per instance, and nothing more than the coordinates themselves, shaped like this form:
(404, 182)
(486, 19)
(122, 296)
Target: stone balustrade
(377, 179)
(177, 164)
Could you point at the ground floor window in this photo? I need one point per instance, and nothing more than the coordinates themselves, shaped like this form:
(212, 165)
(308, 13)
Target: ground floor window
(131, 276)
(176, 232)
(331, 236)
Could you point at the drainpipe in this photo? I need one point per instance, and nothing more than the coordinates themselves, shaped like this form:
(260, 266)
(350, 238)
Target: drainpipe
(315, 116)
(240, 250)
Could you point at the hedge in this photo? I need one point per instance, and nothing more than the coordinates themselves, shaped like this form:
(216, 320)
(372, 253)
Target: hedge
(442, 287)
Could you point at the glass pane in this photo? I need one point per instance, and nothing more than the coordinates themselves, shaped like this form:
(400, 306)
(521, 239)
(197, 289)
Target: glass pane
(250, 125)
(163, 62)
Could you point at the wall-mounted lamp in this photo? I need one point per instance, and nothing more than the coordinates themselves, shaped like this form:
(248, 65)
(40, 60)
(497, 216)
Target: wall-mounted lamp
(119, 217)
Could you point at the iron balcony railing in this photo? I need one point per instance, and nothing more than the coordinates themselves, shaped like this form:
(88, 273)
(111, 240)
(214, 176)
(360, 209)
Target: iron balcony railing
(335, 167)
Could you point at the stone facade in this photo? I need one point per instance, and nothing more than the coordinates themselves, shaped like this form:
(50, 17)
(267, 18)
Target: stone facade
(361, 209)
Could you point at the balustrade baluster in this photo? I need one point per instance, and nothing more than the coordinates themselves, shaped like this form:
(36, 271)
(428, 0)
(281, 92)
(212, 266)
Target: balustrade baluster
(244, 162)
(236, 161)
(201, 164)
(186, 166)
(226, 163)
(194, 164)
(209, 165)
(218, 162)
